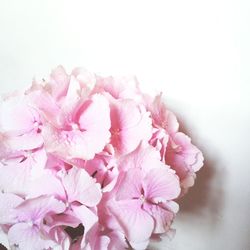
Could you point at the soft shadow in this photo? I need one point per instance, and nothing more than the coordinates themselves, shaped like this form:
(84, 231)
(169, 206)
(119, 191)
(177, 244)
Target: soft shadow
(2, 247)
(206, 197)
(205, 200)
(198, 195)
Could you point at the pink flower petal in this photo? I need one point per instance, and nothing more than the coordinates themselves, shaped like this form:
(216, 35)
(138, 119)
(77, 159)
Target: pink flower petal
(26, 236)
(28, 141)
(36, 208)
(184, 158)
(130, 125)
(14, 179)
(161, 184)
(58, 83)
(81, 187)
(163, 218)
(162, 117)
(144, 157)
(17, 117)
(86, 216)
(85, 78)
(130, 185)
(119, 87)
(46, 184)
(7, 203)
(85, 137)
(93, 118)
(137, 224)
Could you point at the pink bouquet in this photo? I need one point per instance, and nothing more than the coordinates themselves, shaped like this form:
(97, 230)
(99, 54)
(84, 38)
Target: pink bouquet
(90, 162)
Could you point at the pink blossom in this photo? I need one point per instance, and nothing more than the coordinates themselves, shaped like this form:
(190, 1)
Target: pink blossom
(145, 199)
(19, 169)
(119, 87)
(130, 124)
(20, 124)
(184, 158)
(80, 135)
(104, 169)
(77, 190)
(99, 238)
(90, 162)
(27, 229)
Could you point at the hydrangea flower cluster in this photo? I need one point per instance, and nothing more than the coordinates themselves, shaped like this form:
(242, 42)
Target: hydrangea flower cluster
(89, 162)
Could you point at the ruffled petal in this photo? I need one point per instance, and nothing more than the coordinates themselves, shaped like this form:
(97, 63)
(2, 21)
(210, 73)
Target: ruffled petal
(163, 218)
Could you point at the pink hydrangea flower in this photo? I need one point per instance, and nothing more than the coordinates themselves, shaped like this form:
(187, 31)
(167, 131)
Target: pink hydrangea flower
(90, 162)
(144, 196)
(130, 124)
(26, 218)
(175, 147)
(20, 124)
(184, 157)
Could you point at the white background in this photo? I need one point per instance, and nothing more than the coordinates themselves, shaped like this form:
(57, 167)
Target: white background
(196, 52)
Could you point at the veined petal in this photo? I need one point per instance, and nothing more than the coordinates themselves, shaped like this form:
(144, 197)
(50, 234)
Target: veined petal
(130, 125)
(130, 184)
(36, 208)
(26, 237)
(163, 218)
(8, 201)
(81, 187)
(144, 157)
(137, 224)
(161, 184)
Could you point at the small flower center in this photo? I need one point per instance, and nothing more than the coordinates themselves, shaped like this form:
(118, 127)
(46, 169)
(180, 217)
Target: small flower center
(142, 198)
(75, 126)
